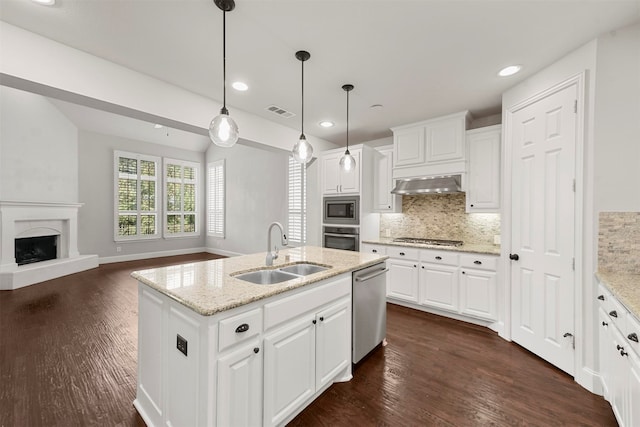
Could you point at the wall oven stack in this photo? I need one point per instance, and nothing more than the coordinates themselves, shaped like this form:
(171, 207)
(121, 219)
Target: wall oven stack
(341, 218)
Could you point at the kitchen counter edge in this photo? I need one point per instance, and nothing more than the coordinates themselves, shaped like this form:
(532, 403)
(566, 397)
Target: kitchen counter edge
(625, 287)
(477, 248)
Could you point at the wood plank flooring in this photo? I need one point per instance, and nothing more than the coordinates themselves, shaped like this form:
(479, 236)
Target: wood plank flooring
(68, 358)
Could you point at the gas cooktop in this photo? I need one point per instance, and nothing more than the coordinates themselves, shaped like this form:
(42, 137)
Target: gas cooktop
(436, 242)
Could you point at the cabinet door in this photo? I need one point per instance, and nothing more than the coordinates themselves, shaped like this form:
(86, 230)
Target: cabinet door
(619, 374)
(408, 146)
(478, 294)
(483, 193)
(239, 400)
(333, 342)
(350, 181)
(445, 140)
(383, 200)
(330, 173)
(289, 369)
(439, 286)
(403, 280)
(604, 323)
(634, 390)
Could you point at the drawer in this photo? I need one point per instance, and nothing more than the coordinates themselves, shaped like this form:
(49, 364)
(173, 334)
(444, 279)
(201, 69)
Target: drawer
(618, 314)
(604, 298)
(481, 262)
(632, 334)
(373, 249)
(439, 257)
(402, 253)
(238, 328)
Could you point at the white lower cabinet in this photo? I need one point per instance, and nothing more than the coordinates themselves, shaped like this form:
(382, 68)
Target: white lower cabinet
(333, 342)
(478, 293)
(439, 286)
(403, 279)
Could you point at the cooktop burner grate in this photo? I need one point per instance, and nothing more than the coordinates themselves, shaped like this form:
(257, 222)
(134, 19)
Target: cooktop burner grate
(436, 242)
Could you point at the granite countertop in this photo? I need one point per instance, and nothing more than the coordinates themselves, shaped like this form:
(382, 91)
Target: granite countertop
(207, 287)
(625, 287)
(478, 248)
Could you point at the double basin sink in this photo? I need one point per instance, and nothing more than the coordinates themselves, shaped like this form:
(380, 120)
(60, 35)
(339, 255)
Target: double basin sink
(273, 276)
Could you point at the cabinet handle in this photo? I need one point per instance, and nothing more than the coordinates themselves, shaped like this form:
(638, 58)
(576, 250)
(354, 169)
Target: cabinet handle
(514, 257)
(633, 337)
(601, 297)
(388, 207)
(375, 251)
(477, 262)
(472, 205)
(619, 347)
(464, 272)
(242, 328)
(423, 266)
(322, 319)
(623, 353)
(401, 253)
(613, 313)
(256, 350)
(415, 266)
(438, 258)
(313, 321)
(605, 324)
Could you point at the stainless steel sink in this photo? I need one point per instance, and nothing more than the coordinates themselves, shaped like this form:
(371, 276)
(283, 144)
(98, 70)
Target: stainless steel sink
(266, 277)
(304, 269)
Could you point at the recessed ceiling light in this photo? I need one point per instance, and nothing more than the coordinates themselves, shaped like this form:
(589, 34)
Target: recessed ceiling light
(510, 70)
(45, 2)
(326, 124)
(157, 126)
(240, 86)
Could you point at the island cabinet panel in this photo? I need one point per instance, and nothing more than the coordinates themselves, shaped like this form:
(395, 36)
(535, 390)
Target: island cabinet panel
(239, 398)
(333, 342)
(239, 328)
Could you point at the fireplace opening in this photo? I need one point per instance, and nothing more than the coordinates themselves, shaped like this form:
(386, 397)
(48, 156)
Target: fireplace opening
(36, 249)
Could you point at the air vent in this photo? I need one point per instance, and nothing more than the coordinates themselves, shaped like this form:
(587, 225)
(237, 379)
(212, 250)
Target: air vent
(280, 111)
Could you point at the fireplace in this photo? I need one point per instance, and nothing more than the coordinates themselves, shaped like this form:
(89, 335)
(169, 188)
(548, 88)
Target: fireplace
(36, 249)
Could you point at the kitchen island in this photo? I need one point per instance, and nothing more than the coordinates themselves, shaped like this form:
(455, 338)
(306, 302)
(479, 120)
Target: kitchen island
(217, 350)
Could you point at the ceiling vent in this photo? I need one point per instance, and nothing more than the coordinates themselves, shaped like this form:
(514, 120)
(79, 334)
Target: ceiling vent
(280, 111)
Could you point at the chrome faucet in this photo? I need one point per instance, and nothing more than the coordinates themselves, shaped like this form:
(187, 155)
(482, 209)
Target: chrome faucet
(274, 255)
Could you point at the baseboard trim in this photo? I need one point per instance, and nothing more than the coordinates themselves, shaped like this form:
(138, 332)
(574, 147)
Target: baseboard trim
(590, 380)
(222, 252)
(147, 255)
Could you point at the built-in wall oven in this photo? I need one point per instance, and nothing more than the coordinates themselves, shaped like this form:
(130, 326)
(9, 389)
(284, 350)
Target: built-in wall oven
(345, 238)
(343, 210)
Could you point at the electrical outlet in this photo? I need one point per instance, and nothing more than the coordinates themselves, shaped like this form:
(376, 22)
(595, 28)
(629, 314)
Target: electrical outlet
(496, 239)
(181, 345)
(118, 248)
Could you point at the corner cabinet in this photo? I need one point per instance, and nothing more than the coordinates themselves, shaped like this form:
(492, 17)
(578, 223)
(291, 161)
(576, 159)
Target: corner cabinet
(430, 147)
(383, 200)
(483, 169)
(334, 179)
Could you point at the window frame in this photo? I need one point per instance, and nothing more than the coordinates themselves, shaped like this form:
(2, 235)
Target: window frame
(117, 155)
(166, 162)
(302, 213)
(211, 198)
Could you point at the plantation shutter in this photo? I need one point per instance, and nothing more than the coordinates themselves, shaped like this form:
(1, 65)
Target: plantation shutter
(215, 199)
(297, 195)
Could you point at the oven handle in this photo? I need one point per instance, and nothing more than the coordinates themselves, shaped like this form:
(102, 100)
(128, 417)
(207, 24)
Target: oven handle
(340, 235)
(371, 276)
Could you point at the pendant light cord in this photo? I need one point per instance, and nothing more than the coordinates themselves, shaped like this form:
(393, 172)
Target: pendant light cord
(224, 60)
(302, 125)
(347, 121)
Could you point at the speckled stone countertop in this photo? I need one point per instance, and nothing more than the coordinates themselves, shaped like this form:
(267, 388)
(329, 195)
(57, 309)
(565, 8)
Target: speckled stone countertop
(208, 287)
(625, 286)
(467, 247)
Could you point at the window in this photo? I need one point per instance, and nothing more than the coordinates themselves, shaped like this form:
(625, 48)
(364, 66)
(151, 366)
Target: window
(136, 196)
(297, 195)
(180, 189)
(215, 199)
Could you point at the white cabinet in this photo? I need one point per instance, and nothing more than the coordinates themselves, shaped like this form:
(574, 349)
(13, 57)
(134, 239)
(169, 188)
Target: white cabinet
(373, 249)
(239, 397)
(334, 179)
(303, 357)
(439, 286)
(478, 293)
(403, 279)
(383, 200)
(483, 169)
(430, 147)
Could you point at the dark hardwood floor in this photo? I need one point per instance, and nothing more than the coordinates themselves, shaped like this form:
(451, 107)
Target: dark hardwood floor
(68, 358)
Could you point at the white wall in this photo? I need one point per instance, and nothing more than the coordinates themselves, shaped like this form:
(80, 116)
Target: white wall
(617, 124)
(38, 147)
(96, 189)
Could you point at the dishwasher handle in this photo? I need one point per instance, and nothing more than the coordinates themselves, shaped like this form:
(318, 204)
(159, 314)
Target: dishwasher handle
(372, 275)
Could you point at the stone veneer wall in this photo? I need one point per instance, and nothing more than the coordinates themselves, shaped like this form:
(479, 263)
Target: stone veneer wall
(440, 216)
(619, 242)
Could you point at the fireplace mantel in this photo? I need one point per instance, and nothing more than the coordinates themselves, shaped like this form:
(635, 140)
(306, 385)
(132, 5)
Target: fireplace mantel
(33, 218)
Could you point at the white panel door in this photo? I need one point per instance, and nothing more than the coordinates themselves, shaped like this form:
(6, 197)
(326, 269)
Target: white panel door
(333, 342)
(543, 139)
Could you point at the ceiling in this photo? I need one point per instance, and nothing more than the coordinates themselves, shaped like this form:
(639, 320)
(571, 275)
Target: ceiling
(418, 59)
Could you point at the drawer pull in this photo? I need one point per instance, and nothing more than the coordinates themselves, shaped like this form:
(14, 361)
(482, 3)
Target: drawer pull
(438, 257)
(375, 251)
(613, 313)
(256, 350)
(605, 324)
(477, 262)
(633, 337)
(601, 297)
(402, 253)
(619, 347)
(242, 328)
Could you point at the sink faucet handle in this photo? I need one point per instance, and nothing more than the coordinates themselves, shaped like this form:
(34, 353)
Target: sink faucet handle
(276, 251)
(285, 242)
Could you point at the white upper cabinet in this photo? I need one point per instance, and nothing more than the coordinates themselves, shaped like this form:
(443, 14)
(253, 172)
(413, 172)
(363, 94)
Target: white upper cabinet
(337, 181)
(383, 200)
(483, 183)
(431, 147)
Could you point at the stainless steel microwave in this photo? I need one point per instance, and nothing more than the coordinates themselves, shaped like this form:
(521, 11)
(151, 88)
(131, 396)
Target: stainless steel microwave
(342, 210)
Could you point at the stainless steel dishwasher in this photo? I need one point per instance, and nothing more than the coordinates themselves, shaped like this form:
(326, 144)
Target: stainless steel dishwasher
(369, 309)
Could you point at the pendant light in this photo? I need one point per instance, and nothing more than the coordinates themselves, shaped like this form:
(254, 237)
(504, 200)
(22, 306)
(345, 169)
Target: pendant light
(347, 162)
(302, 151)
(223, 130)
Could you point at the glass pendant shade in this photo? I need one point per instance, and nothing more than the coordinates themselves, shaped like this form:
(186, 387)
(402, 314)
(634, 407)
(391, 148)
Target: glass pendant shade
(347, 162)
(223, 130)
(302, 150)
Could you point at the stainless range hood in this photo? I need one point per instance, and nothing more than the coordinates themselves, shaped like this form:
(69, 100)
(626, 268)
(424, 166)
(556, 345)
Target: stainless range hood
(430, 185)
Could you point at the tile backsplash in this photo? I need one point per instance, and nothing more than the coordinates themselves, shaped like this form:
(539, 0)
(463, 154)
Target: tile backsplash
(440, 216)
(619, 242)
